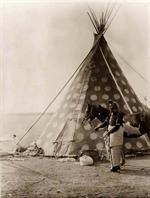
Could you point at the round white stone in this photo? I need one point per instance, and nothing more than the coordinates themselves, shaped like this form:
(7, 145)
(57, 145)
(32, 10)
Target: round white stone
(78, 107)
(105, 97)
(82, 97)
(104, 105)
(93, 136)
(128, 145)
(127, 99)
(125, 107)
(97, 88)
(107, 88)
(140, 108)
(133, 100)
(139, 144)
(126, 91)
(100, 146)
(87, 127)
(116, 96)
(85, 87)
(117, 73)
(123, 82)
(134, 108)
(93, 97)
(85, 147)
(80, 136)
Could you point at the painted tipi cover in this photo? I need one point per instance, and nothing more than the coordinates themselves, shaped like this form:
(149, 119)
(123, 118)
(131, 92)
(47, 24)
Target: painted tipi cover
(99, 79)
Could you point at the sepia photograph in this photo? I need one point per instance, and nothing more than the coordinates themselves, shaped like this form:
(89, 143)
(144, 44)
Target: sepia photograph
(75, 99)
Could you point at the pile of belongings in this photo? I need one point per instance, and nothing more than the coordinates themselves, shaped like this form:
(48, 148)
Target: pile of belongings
(33, 150)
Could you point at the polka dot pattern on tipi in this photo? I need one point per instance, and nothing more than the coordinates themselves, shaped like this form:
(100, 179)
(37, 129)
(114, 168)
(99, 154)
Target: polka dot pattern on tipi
(93, 84)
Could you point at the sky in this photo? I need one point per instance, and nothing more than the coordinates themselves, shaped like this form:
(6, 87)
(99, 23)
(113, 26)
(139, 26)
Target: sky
(43, 42)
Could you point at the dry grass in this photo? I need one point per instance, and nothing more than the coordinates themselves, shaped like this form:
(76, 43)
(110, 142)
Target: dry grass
(45, 178)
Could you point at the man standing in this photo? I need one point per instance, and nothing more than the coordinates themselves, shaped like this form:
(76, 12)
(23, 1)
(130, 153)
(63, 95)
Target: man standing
(115, 134)
(14, 139)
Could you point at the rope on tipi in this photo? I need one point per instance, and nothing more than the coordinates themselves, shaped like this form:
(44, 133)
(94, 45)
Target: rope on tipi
(100, 28)
(117, 85)
(129, 65)
(64, 86)
(53, 100)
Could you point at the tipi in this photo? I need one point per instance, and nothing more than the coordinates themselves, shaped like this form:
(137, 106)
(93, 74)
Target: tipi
(99, 79)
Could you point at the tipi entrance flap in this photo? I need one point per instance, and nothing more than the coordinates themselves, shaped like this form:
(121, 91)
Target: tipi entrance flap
(67, 133)
(65, 138)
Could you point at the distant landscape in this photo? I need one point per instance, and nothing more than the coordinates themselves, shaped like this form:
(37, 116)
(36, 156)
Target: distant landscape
(19, 124)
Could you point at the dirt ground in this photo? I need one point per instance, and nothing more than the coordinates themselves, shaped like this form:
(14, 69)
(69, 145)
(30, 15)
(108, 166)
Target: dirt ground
(51, 178)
